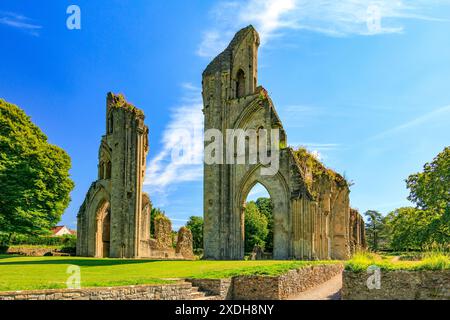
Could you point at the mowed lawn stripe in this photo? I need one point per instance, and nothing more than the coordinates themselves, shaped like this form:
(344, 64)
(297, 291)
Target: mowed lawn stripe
(30, 273)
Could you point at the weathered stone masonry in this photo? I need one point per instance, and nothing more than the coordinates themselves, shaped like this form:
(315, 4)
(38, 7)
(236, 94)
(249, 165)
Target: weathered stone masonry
(114, 219)
(311, 217)
(398, 285)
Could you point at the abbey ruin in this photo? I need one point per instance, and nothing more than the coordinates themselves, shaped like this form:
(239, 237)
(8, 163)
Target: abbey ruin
(114, 219)
(311, 207)
(312, 218)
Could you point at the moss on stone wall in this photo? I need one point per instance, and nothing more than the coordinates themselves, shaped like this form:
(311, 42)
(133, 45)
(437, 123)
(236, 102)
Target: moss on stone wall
(119, 101)
(318, 170)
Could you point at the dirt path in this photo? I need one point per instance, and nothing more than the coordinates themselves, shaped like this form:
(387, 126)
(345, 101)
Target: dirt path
(329, 290)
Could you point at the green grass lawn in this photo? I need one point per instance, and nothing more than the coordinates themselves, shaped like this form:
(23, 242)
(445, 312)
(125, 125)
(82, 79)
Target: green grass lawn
(29, 273)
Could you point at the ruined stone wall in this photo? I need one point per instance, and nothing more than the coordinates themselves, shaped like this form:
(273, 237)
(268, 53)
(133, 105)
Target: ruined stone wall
(110, 219)
(163, 232)
(357, 233)
(222, 106)
(222, 288)
(161, 246)
(185, 243)
(311, 216)
(114, 219)
(398, 285)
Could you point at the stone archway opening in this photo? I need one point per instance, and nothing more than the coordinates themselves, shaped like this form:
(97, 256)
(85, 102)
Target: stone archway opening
(258, 223)
(103, 231)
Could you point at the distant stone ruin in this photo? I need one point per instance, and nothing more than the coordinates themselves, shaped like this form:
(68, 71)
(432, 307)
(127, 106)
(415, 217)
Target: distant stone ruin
(357, 232)
(114, 219)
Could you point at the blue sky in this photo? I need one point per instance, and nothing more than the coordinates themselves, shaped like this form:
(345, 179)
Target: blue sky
(374, 103)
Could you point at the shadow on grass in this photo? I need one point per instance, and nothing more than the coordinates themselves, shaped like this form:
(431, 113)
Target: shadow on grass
(79, 262)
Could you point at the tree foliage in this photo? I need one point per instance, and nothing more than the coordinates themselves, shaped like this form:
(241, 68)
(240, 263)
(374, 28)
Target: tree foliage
(428, 225)
(430, 191)
(265, 206)
(35, 184)
(375, 229)
(409, 228)
(195, 224)
(256, 229)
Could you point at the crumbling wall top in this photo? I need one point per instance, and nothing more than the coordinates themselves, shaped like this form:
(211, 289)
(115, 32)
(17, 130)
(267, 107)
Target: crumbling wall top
(223, 60)
(119, 101)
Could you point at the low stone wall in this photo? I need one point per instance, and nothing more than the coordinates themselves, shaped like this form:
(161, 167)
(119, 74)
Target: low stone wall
(37, 251)
(296, 281)
(221, 288)
(281, 287)
(268, 287)
(398, 285)
(256, 288)
(182, 291)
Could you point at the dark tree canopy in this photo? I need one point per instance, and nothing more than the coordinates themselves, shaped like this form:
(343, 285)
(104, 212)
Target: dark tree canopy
(374, 228)
(35, 184)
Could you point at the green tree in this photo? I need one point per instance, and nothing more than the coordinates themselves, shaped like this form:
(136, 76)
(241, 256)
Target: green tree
(408, 228)
(195, 224)
(35, 184)
(255, 227)
(265, 206)
(374, 229)
(429, 190)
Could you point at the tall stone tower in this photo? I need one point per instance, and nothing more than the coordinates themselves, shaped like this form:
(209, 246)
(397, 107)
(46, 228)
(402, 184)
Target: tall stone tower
(229, 82)
(111, 219)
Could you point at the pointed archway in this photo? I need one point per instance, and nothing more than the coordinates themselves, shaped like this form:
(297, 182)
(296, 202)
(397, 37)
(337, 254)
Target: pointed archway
(258, 222)
(278, 190)
(103, 231)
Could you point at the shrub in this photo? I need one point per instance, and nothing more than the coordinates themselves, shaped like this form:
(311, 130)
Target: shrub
(65, 241)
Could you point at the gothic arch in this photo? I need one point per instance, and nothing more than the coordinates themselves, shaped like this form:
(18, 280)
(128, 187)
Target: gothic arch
(102, 230)
(279, 193)
(247, 114)
(99, 208)
(105, 161)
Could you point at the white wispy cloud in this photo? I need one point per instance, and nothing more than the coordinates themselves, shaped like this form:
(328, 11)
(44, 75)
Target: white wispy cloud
(329, 17)
(19, 21)
(441, 114)
(181, 157)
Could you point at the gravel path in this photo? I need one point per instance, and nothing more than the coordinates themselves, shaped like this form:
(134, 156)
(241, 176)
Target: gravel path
(329, 290)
